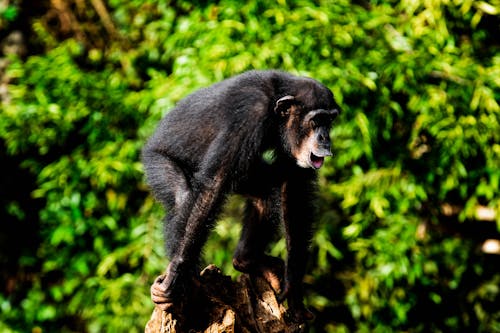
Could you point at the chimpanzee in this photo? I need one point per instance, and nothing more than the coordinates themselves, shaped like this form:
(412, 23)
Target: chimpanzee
(261, 134)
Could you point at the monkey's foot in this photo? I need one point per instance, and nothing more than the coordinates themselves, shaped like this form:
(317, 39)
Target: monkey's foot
(160, 294)
(270, 268)
(273, 270)
(300, 315)
(176, 286)
(297, 312)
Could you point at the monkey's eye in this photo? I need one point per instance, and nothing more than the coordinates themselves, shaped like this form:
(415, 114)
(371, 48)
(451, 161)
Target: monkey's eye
(316, 123)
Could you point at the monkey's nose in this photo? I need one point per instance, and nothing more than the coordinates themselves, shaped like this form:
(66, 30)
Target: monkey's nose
(323, 150)
(328, 152)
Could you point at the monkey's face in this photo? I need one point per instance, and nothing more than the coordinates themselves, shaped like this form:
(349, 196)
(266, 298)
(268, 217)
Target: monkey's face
(314, 141)
(306, 133)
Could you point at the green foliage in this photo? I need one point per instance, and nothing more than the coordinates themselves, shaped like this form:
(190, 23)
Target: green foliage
(8, 13)
(417, 155)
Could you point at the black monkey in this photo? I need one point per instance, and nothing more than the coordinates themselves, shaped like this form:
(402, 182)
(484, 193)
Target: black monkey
(261, 134)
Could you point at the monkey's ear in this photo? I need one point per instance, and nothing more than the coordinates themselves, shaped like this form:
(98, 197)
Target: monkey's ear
(283, 104)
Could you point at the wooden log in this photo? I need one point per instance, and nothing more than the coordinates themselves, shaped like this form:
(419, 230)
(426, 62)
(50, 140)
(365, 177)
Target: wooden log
(221, 305)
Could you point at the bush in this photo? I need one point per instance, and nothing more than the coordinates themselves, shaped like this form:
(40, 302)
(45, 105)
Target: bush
(416, 156)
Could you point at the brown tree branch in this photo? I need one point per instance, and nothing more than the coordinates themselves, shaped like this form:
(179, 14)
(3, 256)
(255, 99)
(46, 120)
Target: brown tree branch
(222, 305)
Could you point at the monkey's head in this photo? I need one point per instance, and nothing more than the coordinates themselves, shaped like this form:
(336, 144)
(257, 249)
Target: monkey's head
(305, 129)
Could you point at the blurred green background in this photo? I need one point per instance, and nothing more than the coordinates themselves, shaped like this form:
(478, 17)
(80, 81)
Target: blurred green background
(406, 203)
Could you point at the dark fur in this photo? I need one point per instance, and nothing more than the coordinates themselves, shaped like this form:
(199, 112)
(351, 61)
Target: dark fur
(212, 144)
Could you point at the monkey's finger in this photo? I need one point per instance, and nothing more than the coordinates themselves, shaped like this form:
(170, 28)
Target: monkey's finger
(160, 278)
(158, 289)
(158, 292)
(159, 296)
(165, 306)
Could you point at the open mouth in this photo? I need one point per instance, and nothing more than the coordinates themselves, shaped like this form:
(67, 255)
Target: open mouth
(316, 161)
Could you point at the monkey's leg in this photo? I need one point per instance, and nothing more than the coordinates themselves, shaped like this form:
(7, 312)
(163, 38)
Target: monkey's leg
(194, 215)
(298, 214)
(259, 225)
(170, 186)
(195, 218)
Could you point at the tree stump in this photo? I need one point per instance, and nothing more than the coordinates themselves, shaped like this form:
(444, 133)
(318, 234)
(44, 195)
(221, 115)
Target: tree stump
(222, 305)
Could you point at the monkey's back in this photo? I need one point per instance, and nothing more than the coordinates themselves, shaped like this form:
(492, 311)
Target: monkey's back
(238, 106)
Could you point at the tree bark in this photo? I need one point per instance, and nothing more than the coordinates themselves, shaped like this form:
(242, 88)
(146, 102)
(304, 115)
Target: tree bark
(222, 305)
